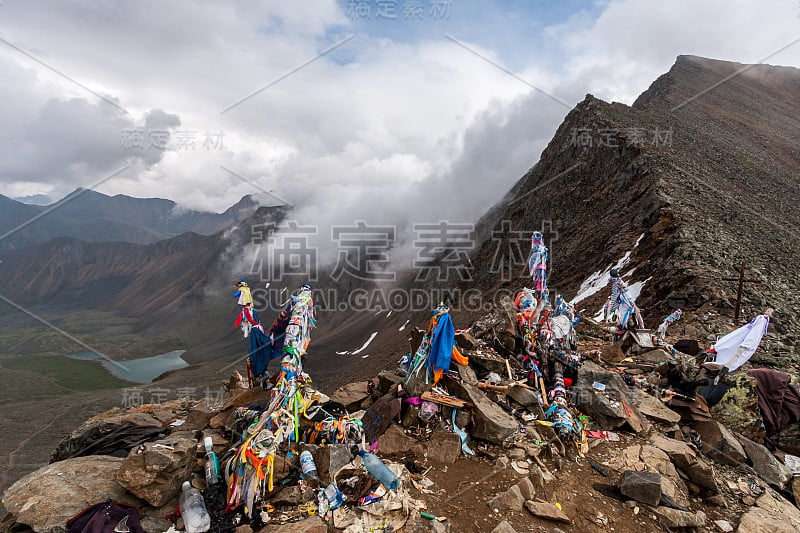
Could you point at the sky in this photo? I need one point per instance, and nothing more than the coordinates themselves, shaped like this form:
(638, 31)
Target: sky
(375, 110)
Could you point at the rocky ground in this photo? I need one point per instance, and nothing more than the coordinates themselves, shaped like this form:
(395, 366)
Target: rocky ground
(642, 467)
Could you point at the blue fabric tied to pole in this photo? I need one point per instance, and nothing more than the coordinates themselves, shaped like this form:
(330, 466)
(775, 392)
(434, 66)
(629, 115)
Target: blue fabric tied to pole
(442, 344)
(261, 351)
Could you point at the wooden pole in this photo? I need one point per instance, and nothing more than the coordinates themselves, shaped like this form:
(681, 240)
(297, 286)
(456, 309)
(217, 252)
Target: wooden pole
(739, 296)
(741, 281)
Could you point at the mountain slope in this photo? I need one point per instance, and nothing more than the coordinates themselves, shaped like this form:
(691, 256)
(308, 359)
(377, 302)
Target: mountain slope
(704, 176)
(171, 286)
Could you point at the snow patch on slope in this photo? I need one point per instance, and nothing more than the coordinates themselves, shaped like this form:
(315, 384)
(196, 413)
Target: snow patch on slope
(364, 346)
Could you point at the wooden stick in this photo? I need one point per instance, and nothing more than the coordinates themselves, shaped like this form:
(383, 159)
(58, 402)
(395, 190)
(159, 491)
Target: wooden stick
(521, 384)
(496, 388)
(441, 399)
(544, 393)
(508, 367)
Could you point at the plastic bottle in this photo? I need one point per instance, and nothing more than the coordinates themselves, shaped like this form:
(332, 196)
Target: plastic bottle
(193, 510)
(212, 463)
(309, 468)
(378, 470)
(334, 496)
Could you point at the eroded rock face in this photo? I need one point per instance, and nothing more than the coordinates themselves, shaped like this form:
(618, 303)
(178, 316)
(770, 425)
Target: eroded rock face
(47, 498)
(155, 474)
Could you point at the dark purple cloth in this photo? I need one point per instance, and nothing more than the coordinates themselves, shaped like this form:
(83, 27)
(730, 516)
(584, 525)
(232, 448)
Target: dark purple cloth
(778, 400)
(104, 518)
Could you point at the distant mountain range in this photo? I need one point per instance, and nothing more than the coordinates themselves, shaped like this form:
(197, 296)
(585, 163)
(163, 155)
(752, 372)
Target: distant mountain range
(95, 217)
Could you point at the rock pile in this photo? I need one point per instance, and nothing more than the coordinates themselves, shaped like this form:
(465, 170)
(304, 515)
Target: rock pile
(638, 460)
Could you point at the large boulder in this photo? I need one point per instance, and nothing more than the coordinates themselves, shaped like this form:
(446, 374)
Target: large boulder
(353, 396)
(499, 326)
(394, 441)
(47, 498)
(675, 518)
(444, 447)
(524, 396)
(685, 458)
(113, 432)
(466, 341)
(489, 421)
(156, 472)
(796, 488)
(656, 410)
(644, 487)
(648, 458)
(610, 408)
(238, 398)
(487, 362)
(657, 356)
(719, 443)
(387, 379)
(771, 513)
(765, 464)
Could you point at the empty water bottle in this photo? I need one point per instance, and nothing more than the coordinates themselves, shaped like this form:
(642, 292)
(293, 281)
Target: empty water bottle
(212, 462)
(309, 468)
(193, 510)
(378, 470)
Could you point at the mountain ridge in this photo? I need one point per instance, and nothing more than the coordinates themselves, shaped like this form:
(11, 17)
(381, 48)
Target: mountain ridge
(92, 216)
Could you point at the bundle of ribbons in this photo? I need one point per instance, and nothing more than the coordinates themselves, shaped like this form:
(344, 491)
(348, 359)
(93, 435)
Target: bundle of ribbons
(247, 319)
(565, 423)
(249, 472)
(526, 304)
(288, 337)
(537, 264)
(547, 353)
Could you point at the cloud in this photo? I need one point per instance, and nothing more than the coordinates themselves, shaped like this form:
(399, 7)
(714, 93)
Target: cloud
(381, 129)
(70, 143)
